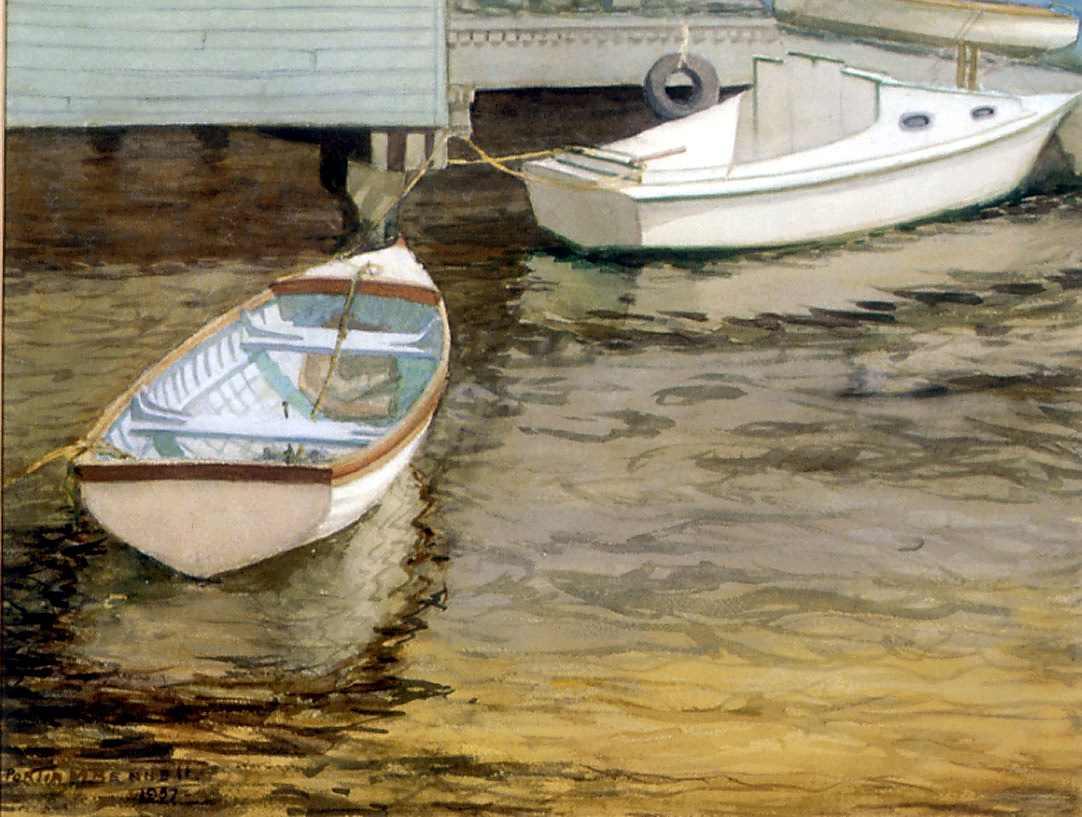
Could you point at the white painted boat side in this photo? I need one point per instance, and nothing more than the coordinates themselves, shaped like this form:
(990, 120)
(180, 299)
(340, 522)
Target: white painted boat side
(973, 147)
(842, 206)
(984, 24)
(587, 218)
(205, 527)
(882, 147)
(846, 206)
(355, 496)
(181, 522)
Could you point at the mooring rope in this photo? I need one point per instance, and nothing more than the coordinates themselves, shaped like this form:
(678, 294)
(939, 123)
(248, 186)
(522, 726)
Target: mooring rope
(426, 165)
(511, 157)
(343, 321)
(499, 163)
(68, 452)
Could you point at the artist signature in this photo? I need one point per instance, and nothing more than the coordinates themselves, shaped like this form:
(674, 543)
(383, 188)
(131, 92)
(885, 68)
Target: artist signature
(152, 784)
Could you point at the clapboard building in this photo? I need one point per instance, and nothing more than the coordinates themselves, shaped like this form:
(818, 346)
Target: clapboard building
(354, 63)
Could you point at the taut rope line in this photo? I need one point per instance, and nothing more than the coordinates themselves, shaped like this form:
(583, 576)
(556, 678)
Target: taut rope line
(498, 163)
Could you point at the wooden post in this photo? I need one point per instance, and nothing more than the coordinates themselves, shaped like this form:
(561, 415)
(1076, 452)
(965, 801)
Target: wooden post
(376, 185)
(967, 66)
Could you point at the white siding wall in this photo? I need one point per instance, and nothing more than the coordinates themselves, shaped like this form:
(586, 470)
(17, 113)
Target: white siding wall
(233, 62)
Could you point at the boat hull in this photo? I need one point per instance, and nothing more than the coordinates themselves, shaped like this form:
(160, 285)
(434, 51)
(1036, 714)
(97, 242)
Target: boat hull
(630, 220)
(203, 526)
(1000, 27)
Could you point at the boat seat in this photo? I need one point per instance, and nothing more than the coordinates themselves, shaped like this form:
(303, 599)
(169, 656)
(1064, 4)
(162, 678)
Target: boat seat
(148, 418)
(279, 336)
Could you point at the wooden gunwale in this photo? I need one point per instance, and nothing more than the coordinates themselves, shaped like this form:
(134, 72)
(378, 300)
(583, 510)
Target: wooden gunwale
(340, 286)
(143, 471)
(987, 8)
(366, 460)
(968, 6)
(343, 470)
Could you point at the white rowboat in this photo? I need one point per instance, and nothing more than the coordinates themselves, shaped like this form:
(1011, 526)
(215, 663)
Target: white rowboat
(264, 431)
(998, 26)
(927, 151)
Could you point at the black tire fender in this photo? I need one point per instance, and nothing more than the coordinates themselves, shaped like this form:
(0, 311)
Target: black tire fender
(704, 80)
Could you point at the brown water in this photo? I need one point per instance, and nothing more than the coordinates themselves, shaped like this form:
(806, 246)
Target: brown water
(777, 533)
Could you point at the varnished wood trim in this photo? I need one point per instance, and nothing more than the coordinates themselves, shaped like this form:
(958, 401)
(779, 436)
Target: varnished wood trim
(993, 9)
(340, 286)
(205, 471)
(409, 427)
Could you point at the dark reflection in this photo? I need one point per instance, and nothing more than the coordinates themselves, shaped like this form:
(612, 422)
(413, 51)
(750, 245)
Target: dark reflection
(214, 141)
(211, 137)
(102, 643)
(106, 141)
(334, 157)
(337, 148)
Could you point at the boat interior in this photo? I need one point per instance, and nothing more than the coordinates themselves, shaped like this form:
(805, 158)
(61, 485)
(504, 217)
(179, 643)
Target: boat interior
(288, 381)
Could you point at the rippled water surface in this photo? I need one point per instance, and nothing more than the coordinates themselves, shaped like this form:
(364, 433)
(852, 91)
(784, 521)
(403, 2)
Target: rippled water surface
(781, 533)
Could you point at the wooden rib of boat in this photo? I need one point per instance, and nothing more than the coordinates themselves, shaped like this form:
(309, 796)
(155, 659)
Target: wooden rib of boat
(678, 186)
(279, 423)
(998, 26)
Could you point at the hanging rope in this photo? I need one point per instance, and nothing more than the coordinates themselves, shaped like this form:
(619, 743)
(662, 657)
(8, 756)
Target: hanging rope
(426, 165)
(685, 44)
(378, 217)
(369, 268)
(343, 331)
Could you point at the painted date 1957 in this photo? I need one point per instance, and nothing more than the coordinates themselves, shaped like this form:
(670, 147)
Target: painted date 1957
(157, 794)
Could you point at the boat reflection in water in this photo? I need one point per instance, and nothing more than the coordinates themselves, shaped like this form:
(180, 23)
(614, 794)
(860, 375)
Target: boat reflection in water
(693, 295)
(142, 640)
(305, 619)
(721, 300)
